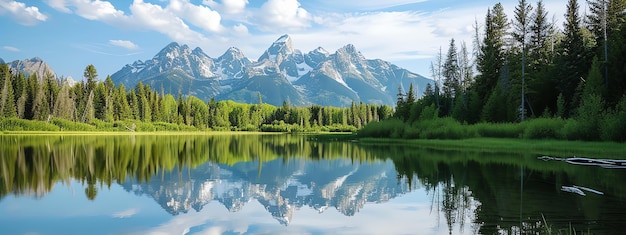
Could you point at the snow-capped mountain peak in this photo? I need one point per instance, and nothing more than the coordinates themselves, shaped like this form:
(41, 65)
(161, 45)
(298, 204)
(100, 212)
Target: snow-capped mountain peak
(280, 49)
(281, 73)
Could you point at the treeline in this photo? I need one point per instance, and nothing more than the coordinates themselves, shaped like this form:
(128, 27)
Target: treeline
(571, 82)
(33, 103)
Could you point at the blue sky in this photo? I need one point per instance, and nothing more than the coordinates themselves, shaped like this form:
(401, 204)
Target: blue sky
(71, 34)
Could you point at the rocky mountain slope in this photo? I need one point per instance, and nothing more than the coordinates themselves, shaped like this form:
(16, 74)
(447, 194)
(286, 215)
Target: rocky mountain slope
(31, 66)
(280, 74)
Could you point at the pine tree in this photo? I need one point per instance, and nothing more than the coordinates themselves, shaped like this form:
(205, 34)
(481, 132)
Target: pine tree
(133, 103)
(121, 107)
(52, 90)
(22, 97)
(616, 82)
(492, 52)
(99, 102)
(540, 33)
(109, 92)
(410, 95)
(26, 98)
(522, 22)
(64, 105)
(169, 109)
(604, 14)
(41, 108)
(89, 112)
(466, 68)
(451, 71)
(91, 75)
(574, 61)
(7, 98)
(143, 102)
(520, 34)
(594, 84)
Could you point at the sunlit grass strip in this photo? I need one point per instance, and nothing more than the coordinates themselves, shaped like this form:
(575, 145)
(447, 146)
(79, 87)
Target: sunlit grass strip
(113, 133)
(508, 145)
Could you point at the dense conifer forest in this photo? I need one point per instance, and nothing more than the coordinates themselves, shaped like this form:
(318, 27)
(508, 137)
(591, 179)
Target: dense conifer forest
(525, 77)
(50, 104)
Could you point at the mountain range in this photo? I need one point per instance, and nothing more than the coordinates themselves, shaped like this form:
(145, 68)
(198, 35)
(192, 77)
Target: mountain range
(280, 74)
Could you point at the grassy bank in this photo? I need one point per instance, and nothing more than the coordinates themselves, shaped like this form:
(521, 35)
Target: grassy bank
(56, 125)
(538, 128)
(113, 133)
(558, 148)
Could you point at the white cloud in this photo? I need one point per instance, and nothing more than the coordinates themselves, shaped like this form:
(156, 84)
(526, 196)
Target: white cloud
(10, 48)
(280, 15)
(21, 13)
(124, 43)
(126, 214)
(228, 6)
(59, 5)
(386, 35)
(200, 16)
(155, 17)
(171, 20)
(97, 10)
(240, 30)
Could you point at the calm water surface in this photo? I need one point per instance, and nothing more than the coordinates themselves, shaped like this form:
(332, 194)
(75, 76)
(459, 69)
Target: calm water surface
(286, 184)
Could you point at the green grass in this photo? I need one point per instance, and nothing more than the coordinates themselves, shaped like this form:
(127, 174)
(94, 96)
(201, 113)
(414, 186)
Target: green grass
(611, 128)
(16, 124)
(509, 145)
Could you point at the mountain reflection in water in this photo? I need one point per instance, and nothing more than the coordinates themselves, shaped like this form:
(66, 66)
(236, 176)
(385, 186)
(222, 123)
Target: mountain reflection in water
(417, 190)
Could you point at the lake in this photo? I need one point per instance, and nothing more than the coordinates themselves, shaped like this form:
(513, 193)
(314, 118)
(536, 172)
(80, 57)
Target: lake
(291, 184)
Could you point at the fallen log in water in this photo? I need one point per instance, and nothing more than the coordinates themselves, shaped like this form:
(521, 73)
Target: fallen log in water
(589, 190)
(572, 190)
(605, 163)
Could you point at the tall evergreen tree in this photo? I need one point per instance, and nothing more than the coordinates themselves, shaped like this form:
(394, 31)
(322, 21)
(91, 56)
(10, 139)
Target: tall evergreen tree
(522, 22)
(574, 61)
(64, 105)
(451, 71)
(91, 75)
(134, 104)
(540, 33)
(99, 102)
(121, 107)
(492, 52)
(466, 67)
(41, 108)
(521, 27)
(52, 89)
(89, 112)
(143, 102)
(7, 98)
(604, 15)
(23, 101)
(169, 109)
(616, 63)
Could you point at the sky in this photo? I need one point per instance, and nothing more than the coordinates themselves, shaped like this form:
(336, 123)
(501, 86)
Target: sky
(71, 34)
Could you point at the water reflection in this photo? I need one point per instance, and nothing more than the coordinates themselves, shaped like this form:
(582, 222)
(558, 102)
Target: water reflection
(517, 191)
(288, 177)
